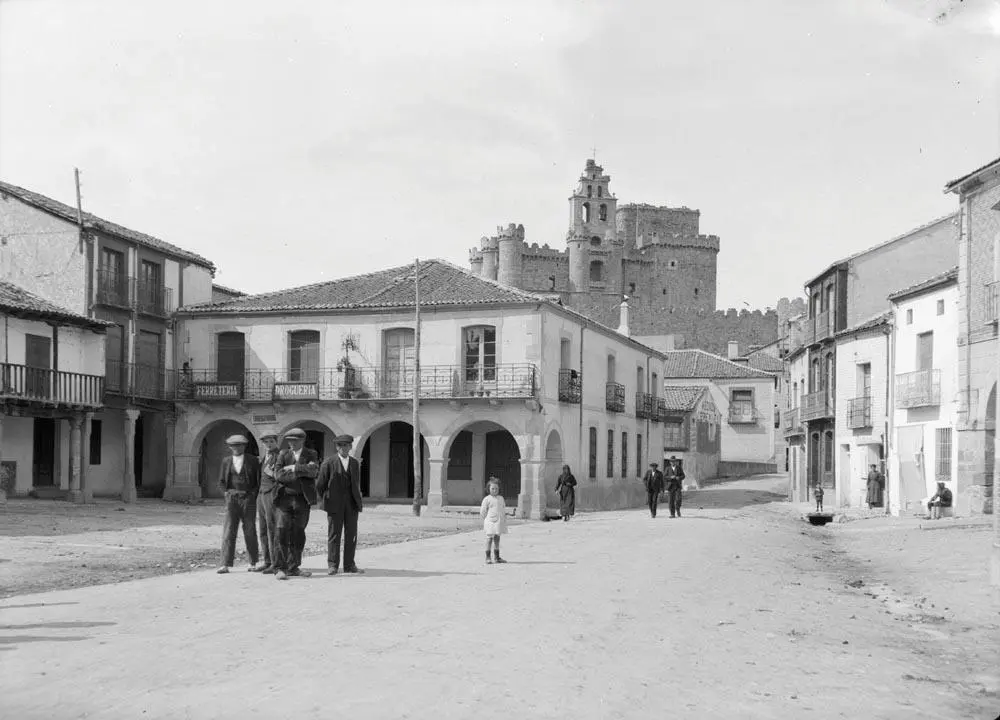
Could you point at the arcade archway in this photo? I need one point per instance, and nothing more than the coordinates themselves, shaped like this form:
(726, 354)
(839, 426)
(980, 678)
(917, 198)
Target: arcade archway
(475, 453)
(319, 437)
(212, 449)
(387, 462)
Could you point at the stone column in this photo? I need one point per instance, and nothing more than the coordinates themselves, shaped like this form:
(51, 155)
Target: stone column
(76, 458)
(184, 487)
(531, 499)
(86, 492)
(437, 492)
(128, 479)
(170, 426)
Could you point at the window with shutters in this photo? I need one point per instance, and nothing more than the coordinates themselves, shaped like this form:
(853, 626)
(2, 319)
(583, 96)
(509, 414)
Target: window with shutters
(624, 454)
(303, 356)
(611, 453)
(942, 453)
(480, 354)
(592, 454)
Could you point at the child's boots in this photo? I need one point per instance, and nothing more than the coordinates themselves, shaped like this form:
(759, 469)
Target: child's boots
(496, 557)
(489, 560)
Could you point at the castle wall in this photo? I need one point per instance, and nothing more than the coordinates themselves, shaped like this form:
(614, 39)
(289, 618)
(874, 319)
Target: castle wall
(656, 224)
(674, 277)
(536, 267)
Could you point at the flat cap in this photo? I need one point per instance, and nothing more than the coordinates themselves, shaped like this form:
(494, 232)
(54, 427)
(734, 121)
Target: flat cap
(294, 433)
(236, 440)
(344, 439)
(273, 436)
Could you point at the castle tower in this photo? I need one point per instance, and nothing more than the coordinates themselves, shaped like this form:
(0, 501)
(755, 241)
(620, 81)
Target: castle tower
(592, 235)
(476, 261)
(510, 251)
(488, 248)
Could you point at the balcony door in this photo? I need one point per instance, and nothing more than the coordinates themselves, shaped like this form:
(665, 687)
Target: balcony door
(230, 357)
(303, 356)
(38, 358)
(151, 287)
(400, 362)
(925, 351)
(480, 355)
(111, 277)
(114, 363)
(148, 364)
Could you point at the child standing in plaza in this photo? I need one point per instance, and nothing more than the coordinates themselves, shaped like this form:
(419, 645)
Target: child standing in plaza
(818, 494)
(494, 514)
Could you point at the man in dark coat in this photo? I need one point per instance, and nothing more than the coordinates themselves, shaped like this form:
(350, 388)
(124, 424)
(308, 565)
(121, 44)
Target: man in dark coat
(941, 499)
(339, 488)
(653, 480)
(675, 484)
(876, 481)
(297, 467)
(239, 480)
(267, 526)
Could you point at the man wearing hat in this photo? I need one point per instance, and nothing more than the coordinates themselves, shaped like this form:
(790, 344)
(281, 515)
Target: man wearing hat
(297, 468)
(267, 525)
(675, 484)
(339, 488)
(653, 480)
(239, 479)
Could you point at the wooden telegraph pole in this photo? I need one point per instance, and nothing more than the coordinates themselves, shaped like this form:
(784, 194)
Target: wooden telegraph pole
(418, 480)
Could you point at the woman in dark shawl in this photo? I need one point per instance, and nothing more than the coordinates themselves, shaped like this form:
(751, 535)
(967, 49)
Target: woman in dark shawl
(566, 487)
(875, 484)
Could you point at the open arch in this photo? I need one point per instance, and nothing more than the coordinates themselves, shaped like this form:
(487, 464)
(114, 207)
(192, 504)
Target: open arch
(586, 212)
(210, 447)
(319, 437)
(553, 466)
(989, 449)
(477, 451)
(386, 455)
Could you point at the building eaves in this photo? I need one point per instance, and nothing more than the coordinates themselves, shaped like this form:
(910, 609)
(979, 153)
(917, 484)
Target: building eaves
(945, 278)
(876, 321)
(228, 290)
(15, 300)
(701, 364)
(954, 184)
(683, 398)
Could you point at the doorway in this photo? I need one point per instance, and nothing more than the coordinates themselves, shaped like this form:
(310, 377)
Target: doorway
(315, 441)
(43, 463)
(503, 461)
(401, 479)
(38, 359)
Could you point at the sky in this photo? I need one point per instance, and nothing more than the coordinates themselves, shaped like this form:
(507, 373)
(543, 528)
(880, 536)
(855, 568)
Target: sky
(294, 142)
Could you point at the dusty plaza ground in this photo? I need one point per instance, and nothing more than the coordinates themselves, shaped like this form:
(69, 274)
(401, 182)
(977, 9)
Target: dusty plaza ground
(737, 610)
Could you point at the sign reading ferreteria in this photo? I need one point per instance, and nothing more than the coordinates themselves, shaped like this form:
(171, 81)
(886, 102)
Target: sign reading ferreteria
(217, 390)
(296, 391)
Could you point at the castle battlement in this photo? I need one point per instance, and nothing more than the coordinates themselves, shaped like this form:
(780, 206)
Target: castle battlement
(545, 251)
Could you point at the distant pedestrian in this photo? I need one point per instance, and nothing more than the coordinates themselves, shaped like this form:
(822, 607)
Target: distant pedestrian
(239, 480)
(267, 523)
(566, 487)
(941, 499)
(876, 481)
(339, 488)
(298, 467)
(818, 494)
(675, 486)
(653, 480)
(493, 511)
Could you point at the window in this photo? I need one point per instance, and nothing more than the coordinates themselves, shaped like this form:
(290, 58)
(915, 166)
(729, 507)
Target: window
(111, 285)
(741, 404)
(940, 307)
(602, 212)
(111, 262)
(230, 356)
(674, 437)
(114, 358)
(600, 191)
(654, 384)
(481, 354)
(611, 453)
(592, 454)
(909, 316)
(590, 191)
(942, 453)
(149, 274)
(624, 454)
(595, 241)
(596, 271)
(696, 292)
(638, 453)
(828, 451)
(586, 212)
(95, 442)
(864, 380)
(611, 368)
(303, 356)
(460, 457)
(925, 351)
(640, 380)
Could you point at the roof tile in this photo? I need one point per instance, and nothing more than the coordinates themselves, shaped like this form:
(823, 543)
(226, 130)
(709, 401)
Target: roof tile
(14, 298)
(701, 364)
(683, 398)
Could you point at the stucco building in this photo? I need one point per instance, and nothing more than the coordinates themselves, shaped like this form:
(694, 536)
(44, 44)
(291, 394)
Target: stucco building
(692, 432)
(510, 385)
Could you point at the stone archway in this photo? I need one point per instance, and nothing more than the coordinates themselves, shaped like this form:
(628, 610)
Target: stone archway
(476, 451)
(210, 448)
(386, 455)
(319, 437)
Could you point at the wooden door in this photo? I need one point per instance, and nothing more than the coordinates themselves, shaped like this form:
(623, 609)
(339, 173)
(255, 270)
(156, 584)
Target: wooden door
(38, 359)
(399, 362)
(503, 461)
(43, 460)
(148, 372)
(925, 351)
(230, 357)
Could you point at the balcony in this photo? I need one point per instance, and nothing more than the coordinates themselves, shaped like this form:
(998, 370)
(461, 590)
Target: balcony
(437, 382)
(791, 422)
(115, 289)
(614, 397)
(859, 413)
(138, 380)
(817, 406)
(153, 299)
(31, 385)
(661, 410)
(570, 386)
(918, 389)
(743, 413)
(645, 406)
(822, 326)
(992, 302)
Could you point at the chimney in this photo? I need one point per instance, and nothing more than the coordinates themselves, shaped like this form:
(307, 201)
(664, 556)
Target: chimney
(734, 350)
(623, 318)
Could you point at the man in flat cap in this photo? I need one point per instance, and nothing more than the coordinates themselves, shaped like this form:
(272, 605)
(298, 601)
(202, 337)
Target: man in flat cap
(653, 480)
(267, 526)
(339, 488)
(239, 479)
(297, 468)
(675, 485)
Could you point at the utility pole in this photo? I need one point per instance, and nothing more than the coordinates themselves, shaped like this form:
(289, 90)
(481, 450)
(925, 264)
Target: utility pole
(418, 480)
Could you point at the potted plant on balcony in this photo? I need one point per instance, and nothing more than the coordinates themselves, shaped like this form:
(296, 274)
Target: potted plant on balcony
(350, 388)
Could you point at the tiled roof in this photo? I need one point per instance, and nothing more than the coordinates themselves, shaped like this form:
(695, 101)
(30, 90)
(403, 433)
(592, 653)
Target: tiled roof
(683, 398)
(441, 283)
(15, 299)
(875, 321)
(958, 181)
(228, 290)
(93, 221)
(701, 364)
(765, 362)
(932, 282)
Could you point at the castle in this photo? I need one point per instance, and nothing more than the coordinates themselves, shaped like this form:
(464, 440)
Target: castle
(655, 256)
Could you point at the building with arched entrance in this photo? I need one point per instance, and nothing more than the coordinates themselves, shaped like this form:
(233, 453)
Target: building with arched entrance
(510, 385)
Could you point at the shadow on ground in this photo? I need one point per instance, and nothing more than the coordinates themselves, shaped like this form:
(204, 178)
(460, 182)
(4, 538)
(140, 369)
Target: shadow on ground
(390, 573)
(722, 498)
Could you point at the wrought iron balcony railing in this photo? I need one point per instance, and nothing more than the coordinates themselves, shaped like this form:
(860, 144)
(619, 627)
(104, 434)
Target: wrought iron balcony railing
(444, 382)
(118, 290)
(743, 413)
(817, 405)
(614, 397)
(153, 298)
(661, 410)
(822, 326)
(570, 386)
(113, 288)
(918, 389)
(993, 302)
(50, 387)
(645, 406)
(859, 412)
(140, 380)
(791, 421)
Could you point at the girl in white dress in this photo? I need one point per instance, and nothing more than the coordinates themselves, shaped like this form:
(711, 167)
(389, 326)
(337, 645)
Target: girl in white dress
(494, 514)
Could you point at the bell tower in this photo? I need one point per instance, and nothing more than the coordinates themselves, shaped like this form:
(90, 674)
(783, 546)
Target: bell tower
(592, 233)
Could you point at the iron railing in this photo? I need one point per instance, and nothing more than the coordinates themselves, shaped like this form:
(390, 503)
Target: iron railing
(992, 302)
(743, 413)
(141, 380)
(113, 288)
(791, 421)
(822, 326)
(661, 410)
(817, 405)
(645, 406)
(614, 397)
(51, 387)
(918, 389)
(152, 298)
(118, 290)
(357, 383)
(570, 386)
(859, 412)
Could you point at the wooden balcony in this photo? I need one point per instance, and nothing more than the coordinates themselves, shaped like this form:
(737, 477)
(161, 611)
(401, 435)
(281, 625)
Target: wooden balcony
(816, 406)
(859, 412)
(570, 386)
(51, 388)
(614, 397)
(368, 384)
(661, 410)
(645, 406)
(918, 389)
(791, 422)
(138, 380)
(743, 413)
